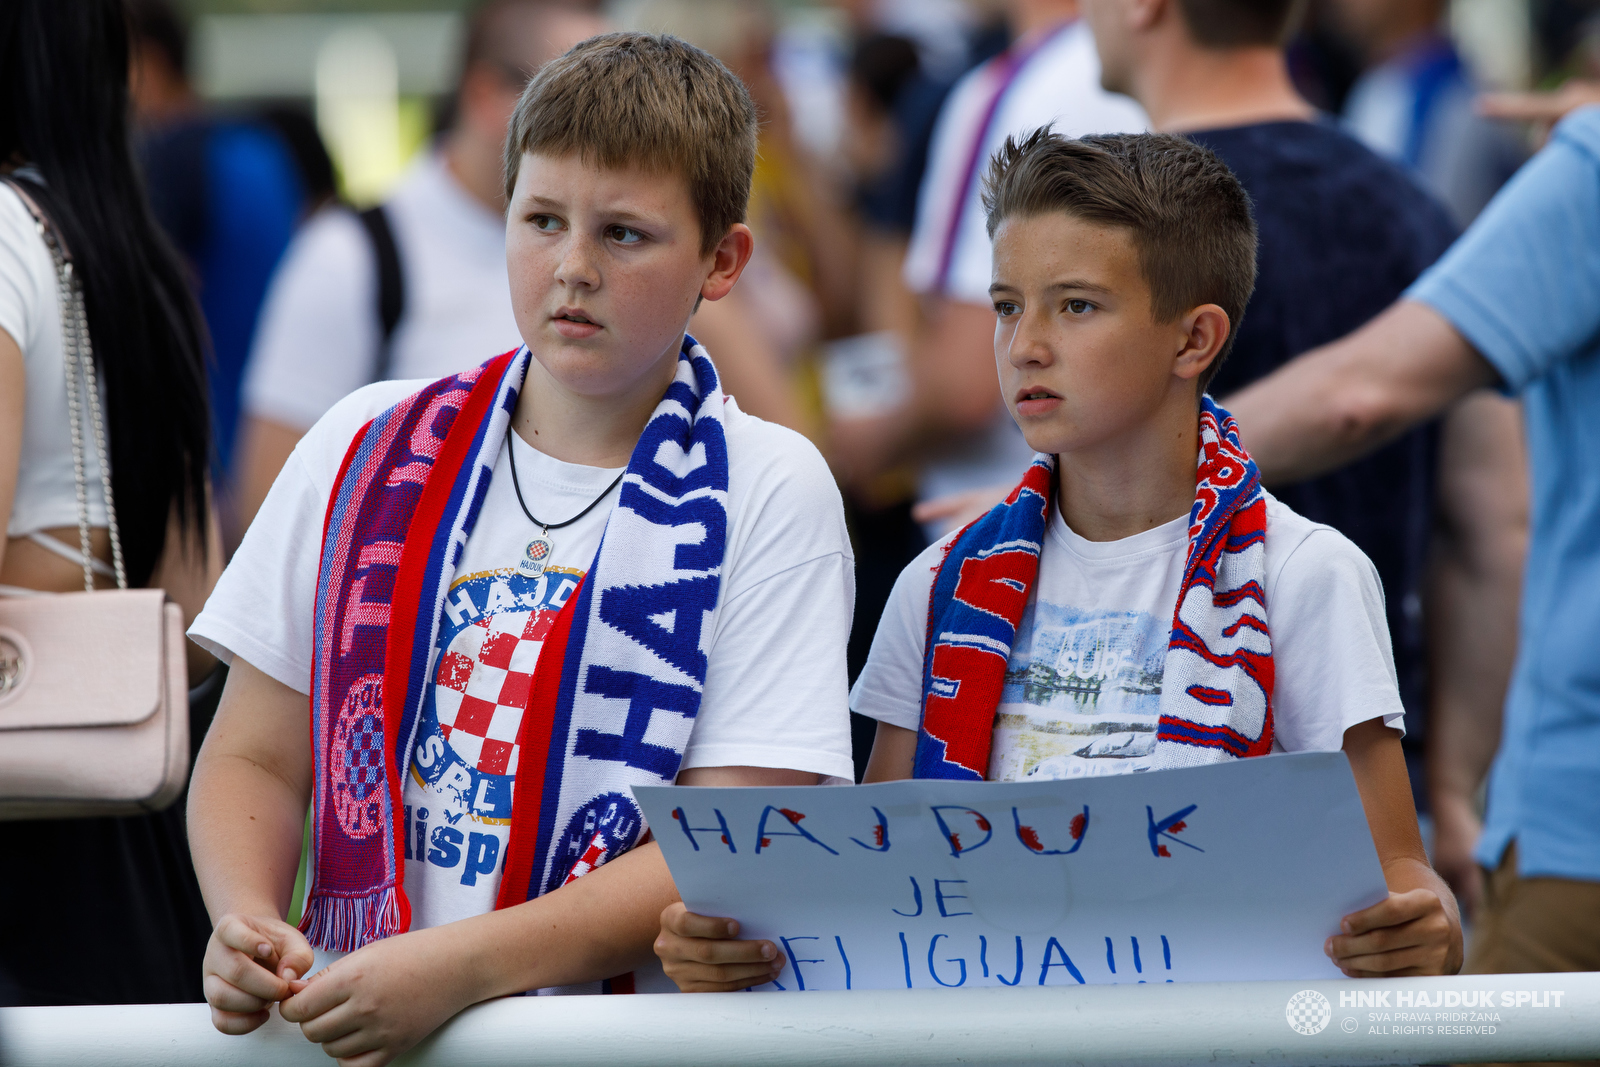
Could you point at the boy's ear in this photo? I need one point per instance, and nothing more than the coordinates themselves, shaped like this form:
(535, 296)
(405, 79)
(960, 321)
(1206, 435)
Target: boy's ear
(1143, 14)
(728, 261)
(1205, 331)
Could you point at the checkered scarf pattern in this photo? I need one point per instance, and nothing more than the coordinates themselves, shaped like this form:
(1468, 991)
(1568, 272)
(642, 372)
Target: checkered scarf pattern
(1216, 693)
(624, 656)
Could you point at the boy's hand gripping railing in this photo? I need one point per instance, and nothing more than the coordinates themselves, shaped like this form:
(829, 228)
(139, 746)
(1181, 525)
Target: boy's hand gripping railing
(1479, 1018)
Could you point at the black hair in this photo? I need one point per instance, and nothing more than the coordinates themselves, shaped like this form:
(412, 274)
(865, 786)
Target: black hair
(64, 110)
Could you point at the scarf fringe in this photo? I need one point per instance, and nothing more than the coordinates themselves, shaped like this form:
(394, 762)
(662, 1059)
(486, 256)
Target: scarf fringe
(344, 924)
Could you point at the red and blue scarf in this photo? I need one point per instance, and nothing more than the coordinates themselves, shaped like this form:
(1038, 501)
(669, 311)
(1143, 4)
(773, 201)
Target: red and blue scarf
(618, 681)
(1216, 692)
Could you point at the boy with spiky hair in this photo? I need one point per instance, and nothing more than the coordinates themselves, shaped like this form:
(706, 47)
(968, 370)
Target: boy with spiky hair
(576, 568)
(1139, 602)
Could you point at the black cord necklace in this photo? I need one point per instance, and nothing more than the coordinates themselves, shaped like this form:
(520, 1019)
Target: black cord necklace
(537, 555)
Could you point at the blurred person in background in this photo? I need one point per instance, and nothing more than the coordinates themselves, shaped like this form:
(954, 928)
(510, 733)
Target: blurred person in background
(952, 421)
(1515, 303)
(899, 72)
(944, 32)
(1342, 232)
(226, 191)
(887, 123)
(417, 289)
(101, 911)
(895, 85)
(1414, 103)
(800, 285)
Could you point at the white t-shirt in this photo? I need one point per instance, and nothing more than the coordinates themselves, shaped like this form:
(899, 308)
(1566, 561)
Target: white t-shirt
(30, 311)
(1059, 83)
(318, 336)
(1083, 685)
(775, 690)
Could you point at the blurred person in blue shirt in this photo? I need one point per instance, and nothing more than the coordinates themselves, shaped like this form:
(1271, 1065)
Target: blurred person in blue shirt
(227, 191)
(1514, 303)
(1414, 103)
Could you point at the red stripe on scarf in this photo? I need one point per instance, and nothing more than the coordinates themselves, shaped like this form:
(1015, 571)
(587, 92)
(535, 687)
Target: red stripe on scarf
(533, 741)
(406, 602)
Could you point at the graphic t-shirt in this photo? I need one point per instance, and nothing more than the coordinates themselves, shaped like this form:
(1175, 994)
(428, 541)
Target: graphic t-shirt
(1082, 690)
(458, 792)
(775, 688)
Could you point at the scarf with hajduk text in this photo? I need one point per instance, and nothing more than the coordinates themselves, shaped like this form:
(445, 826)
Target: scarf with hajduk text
(1216, 691)
(619, 678)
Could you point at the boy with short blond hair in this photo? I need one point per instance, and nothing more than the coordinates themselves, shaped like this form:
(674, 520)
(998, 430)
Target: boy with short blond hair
(1139, 602)
(576, 568)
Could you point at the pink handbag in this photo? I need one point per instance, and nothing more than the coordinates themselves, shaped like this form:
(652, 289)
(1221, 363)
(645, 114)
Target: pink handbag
(94, 716)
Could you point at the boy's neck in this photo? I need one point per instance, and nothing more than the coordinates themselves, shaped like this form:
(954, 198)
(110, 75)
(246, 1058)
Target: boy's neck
(1134, 483)
(592, 431)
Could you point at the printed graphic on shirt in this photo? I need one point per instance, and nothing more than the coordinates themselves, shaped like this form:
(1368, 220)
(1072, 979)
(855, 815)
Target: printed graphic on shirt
(465, 762)
(1082, 694)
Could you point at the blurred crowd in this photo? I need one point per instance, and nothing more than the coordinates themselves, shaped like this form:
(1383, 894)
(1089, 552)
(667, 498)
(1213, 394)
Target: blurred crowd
(864, 320)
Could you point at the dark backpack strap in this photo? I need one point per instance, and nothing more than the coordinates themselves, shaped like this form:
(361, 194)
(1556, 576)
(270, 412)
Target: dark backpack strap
(391, 286)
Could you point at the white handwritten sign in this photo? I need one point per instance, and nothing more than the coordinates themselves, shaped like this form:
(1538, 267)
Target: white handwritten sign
(1226, 872)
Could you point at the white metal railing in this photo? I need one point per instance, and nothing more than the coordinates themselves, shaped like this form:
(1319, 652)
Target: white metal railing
(1481, 1018)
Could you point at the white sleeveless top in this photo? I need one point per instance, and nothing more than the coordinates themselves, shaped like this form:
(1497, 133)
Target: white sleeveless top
(30, 311)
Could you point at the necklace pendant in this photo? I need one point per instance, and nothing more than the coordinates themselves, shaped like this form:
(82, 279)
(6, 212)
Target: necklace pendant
(536, 556)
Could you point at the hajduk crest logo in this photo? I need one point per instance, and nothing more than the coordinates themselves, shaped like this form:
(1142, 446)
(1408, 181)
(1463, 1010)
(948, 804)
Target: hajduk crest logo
(1308, 1012)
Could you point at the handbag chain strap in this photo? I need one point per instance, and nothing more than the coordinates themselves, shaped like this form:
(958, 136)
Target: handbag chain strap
(77, 356)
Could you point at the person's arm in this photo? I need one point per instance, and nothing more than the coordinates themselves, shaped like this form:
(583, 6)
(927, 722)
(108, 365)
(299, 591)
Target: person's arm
(13, 397)
(1338, 402)
(246, 811)
(1541, 109)
(955, 510)
(894, 754)
(954, 391)
(247, 808)
(379, 1001)
(1473, 590)
(1417, 930)
(1516, 291)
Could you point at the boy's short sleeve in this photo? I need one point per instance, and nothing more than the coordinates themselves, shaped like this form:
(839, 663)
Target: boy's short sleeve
(1332, 661)
(264, 604)
(1522, 285)
(775, 690)
(889, 687)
